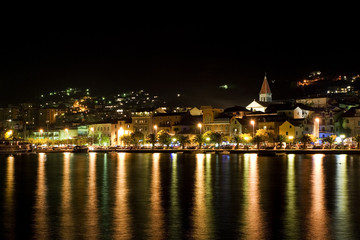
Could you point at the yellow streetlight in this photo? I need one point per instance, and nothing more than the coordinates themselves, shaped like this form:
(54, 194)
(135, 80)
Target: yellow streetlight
(92, 134)
(8, 134)
(41, 132)
(246, 140)
(342, 136)
(155, 128)
(200, 126)
(252, 122)
(67, 133)
(316, 128)
(291, 138)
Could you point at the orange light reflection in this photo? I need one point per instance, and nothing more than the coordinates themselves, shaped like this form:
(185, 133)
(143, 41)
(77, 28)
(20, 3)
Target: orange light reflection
(254, 227)
(156, 212)
(9, 196)
(92, 221)
(318, 219)
(200, 211)
(40, 208)
(122, 229)
(66, 217)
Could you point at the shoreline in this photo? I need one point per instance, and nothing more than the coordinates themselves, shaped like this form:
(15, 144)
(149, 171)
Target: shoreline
(213, 151)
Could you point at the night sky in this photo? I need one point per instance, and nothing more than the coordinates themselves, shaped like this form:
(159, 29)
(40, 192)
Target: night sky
(166, 59)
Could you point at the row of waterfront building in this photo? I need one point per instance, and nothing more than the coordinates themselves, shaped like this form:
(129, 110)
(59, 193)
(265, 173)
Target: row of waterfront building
(320, 116)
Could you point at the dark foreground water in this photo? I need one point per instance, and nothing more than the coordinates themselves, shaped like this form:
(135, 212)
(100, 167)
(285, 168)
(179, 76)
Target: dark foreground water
(184, 196)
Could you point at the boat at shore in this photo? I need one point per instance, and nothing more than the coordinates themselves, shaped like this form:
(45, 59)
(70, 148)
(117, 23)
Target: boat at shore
(81, 149)
(13, 146)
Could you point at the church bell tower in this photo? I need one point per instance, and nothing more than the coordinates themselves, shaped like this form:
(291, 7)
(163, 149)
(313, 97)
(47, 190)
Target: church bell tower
(265, 94)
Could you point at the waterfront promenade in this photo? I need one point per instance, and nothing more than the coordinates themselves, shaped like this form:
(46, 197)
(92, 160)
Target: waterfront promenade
(223, 151)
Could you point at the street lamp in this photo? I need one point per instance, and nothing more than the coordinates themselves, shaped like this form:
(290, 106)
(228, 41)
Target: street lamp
(47, 128)
(67, 133)
(246, 141)
(316, 127)
(252, 122)
(199, 126)
(155, 128)
(9, 133)
(41, 132)
(291, 138)
(92, 135)
(342, 136)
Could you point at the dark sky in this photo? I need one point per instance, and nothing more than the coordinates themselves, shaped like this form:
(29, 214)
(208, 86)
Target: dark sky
(192, 59)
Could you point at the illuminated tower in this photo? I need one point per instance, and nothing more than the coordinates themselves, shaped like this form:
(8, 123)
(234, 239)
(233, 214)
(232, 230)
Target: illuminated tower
(265, 94)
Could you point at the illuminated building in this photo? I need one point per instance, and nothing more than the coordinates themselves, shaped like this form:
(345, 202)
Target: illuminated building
(265, 94)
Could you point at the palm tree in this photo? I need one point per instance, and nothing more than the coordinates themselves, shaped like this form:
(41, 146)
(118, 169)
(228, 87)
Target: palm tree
(305, 139)
(127, 140)
(216, 138)
(330, 140)
(257, 140)
(183, 140)
(136, 137)
(280, 139)
(151, 138)
(357, 139)
(164, 139)
(199, 139)
(237, 140)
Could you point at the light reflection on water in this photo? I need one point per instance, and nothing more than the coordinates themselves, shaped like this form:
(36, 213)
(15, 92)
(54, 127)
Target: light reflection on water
(9, 202)
(121, 209)
(177, 196)
(342, 214)
(67, 227)
(92, 221)
(291, 214)
(318, 217)
(174, 211)
(41, 206)
(253, 215)
(200, 217)
(156, 210)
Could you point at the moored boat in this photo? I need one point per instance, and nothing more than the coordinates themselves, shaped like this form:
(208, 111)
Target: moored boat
(81, 149)
(13, 146)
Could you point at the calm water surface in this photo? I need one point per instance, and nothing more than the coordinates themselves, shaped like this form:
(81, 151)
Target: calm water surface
(179, 196)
